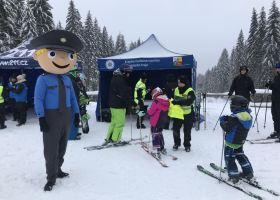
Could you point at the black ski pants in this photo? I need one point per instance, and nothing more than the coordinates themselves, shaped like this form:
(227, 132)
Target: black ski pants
(275, 111)
(188, 124)
(2, 114)
(22, 115)
(55, 140)
(14, 110)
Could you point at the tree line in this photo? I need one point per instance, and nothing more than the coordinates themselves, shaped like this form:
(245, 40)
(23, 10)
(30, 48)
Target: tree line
(19, 19)
(260, 52)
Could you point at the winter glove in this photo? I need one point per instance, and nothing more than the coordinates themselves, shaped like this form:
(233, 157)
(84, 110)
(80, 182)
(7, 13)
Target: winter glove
(229, 94)
(140, 113)
(175, 102)
(267, 85)
(149, 107)
(76, 120)
(43, 124)
(223, 119)
(254, 92)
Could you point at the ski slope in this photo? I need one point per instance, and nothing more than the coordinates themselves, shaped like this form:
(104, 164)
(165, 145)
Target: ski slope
(128, 172)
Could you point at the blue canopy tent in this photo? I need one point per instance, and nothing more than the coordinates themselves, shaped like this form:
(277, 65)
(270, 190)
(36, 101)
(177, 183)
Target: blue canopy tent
(150, 57)
(19, 60)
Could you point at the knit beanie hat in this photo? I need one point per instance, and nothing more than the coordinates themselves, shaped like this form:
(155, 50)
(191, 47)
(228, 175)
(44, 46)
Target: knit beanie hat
(14, 76)
(21, 77)
(144, 76)
(183, 79)
(244, 68)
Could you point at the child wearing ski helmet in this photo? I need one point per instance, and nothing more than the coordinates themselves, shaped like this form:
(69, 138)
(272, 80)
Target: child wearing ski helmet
(158, 112)
(236, 127)
(275, 105)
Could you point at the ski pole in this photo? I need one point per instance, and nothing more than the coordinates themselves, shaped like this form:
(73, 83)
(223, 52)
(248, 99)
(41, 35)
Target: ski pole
(131, 122)
(256, 116)
(140, 129)
(149, 136)
(259, 106)
(222, 156)
(265, 110)
(204, 97)
(221, 114)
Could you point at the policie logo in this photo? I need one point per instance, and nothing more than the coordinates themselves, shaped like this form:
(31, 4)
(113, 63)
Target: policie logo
(110, 64)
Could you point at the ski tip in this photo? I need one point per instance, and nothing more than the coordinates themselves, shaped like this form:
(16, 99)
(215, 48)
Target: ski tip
(199, 167)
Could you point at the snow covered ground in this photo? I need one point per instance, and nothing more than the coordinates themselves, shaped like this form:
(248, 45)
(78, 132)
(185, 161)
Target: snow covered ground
(129, 172)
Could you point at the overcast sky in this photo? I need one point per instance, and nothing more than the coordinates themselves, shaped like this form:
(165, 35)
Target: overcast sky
(199, 27)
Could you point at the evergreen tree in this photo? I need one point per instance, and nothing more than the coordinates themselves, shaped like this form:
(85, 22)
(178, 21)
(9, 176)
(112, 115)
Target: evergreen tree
(105, 43)
(272, 43)
(132, 45)
(89, 51)
(59, 26)
(252, 46)
(111, 47)
(223, 71)
(139, 42)
(20, 13)
(260, 46)
(7, 24)
(42, 12)
(120, 44)
(232, 68)
(240, 51)
(29, 24)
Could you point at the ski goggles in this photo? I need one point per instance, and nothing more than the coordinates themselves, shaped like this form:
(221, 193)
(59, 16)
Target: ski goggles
(128, 69)
(278, 65)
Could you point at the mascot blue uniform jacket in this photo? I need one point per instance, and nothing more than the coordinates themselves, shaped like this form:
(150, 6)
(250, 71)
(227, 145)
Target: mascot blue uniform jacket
(236, 126)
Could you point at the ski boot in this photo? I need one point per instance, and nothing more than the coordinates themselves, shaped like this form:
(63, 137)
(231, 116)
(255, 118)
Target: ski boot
(162, 150)
(187, 149)
(107, 142)
(274, 135)
(175, 147)
(77, 137)
(234, 180)
(62, 175)
(249, 177)
(49, 185)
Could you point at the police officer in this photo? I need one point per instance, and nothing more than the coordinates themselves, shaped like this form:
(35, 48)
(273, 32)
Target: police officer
(139, 97)
(3, 95)
(184, 96)
(275, 99)
(20, 91)
(55, 97)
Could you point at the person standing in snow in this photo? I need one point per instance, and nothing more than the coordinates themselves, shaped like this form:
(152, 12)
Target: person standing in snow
(184, 96)
(158, 112)
(3, 95)
(242, 84)
(20, 90)
(139, 97)
(12, 99)
(236, 127)
(169, 91)
(275, 105)
(119, 99)
(54, 96)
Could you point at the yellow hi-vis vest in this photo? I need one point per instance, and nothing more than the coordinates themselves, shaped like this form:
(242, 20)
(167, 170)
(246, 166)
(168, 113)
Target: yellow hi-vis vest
(175, 111)
(178, 97)
(139, 85)
(1, 98)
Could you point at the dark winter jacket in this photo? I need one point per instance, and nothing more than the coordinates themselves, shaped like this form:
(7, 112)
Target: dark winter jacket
(4, 95)
(170, 88)
(237, 126)
(119, 95)
(275, 87)
(76, 87)
(21, 104)
(243, 86)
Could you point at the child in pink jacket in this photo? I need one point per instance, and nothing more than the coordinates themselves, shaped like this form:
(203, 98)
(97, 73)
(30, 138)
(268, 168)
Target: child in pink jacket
(158, 112)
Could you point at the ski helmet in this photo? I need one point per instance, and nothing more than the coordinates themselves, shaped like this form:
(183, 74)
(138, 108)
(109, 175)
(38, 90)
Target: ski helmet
(244, 68)
(126, 69)
(83, 79)
(239, 103)
(157, 91)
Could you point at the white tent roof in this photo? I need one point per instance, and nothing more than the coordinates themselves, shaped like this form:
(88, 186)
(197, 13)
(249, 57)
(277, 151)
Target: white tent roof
(24, 50)
(151, 48)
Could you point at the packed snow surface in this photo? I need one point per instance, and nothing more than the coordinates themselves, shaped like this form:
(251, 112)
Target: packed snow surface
(128, 172)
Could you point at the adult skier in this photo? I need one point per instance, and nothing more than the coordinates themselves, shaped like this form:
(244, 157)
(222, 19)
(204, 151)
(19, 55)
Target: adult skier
(184, 96)
(169, 89)
(119, 99)
(242, 84)
(20, 90)
(3, 95)
(237, 126)
(275, 99)
(54, 96)
(139, 97)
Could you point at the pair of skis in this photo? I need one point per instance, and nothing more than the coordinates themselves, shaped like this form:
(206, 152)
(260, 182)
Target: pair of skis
(148, 150)
(264, 141)
(122, 143)
(237, 186)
